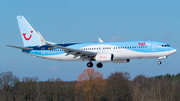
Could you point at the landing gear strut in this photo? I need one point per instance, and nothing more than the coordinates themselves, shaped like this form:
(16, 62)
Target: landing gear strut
(99, 65)
(159, 62)
(89, 64)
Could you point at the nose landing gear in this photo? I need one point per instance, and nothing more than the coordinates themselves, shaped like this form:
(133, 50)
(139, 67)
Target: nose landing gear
(159, 62)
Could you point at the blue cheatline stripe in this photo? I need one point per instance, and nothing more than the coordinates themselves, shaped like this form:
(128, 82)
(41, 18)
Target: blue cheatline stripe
(37, 50)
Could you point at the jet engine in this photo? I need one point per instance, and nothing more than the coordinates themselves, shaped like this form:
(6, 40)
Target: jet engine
(104, 57)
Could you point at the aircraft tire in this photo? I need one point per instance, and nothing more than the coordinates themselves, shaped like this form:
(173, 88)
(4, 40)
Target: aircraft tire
(90, 64)
(99, 65)
(159, 62)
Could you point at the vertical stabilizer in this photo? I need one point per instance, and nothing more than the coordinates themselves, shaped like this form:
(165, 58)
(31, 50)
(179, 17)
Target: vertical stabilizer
(28, 34)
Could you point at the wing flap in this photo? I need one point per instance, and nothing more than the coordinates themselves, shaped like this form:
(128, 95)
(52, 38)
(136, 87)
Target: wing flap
(73, 51)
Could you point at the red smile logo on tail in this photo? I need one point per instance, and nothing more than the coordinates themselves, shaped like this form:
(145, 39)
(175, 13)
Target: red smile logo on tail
(24, 34)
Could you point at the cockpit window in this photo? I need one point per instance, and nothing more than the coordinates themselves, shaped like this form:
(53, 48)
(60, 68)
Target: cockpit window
(165, 45)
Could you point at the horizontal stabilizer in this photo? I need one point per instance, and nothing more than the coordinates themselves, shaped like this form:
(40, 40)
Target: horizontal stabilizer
(19, 47)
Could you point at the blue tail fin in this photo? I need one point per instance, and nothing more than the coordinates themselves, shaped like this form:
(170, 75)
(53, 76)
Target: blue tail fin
(29, 35)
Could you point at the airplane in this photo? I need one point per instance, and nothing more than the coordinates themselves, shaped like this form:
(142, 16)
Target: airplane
(116, 52)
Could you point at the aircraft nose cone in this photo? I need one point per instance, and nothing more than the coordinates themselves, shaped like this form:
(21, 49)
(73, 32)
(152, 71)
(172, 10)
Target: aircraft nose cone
(172, 51)
(175, 50)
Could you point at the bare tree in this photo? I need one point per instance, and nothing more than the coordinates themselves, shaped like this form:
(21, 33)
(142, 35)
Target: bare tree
(7, 82)
(139, 88)
(118, 87)
(28, 89)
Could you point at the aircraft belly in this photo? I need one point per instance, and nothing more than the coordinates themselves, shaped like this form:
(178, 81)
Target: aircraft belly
(69, 58)
(62, 57)
(128, 54)
(159, 54)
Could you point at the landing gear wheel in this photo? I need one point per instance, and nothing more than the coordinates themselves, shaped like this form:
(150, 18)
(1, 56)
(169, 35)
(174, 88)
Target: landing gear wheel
(159, 62)
(99, 65)
(89, 64)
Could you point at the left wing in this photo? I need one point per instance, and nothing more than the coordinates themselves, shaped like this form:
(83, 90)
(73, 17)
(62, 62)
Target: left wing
(83, 54)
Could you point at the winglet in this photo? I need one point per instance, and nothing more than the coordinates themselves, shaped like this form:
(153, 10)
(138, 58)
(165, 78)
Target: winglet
(42, 39)
(100, 40)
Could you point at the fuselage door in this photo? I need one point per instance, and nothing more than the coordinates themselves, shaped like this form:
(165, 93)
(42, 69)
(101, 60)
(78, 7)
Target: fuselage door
(42, 51)
(154, 47)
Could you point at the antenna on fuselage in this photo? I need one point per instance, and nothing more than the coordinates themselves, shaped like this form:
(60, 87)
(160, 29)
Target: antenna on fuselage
(100, 40)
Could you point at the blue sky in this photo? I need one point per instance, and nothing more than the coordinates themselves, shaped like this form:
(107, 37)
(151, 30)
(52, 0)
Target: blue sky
(67, 21)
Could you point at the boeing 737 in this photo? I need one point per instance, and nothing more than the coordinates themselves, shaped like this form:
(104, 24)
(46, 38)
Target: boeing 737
(116, 52)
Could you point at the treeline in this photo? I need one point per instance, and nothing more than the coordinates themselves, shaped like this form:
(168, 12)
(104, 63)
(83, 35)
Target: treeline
(91, 86)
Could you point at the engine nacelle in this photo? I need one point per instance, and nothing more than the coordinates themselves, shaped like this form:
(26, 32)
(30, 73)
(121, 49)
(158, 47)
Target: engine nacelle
(104, 57)
(121, 61)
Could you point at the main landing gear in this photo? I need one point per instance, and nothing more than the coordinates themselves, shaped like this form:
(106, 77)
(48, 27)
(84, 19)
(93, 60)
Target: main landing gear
(90, 64)
(99, 65)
